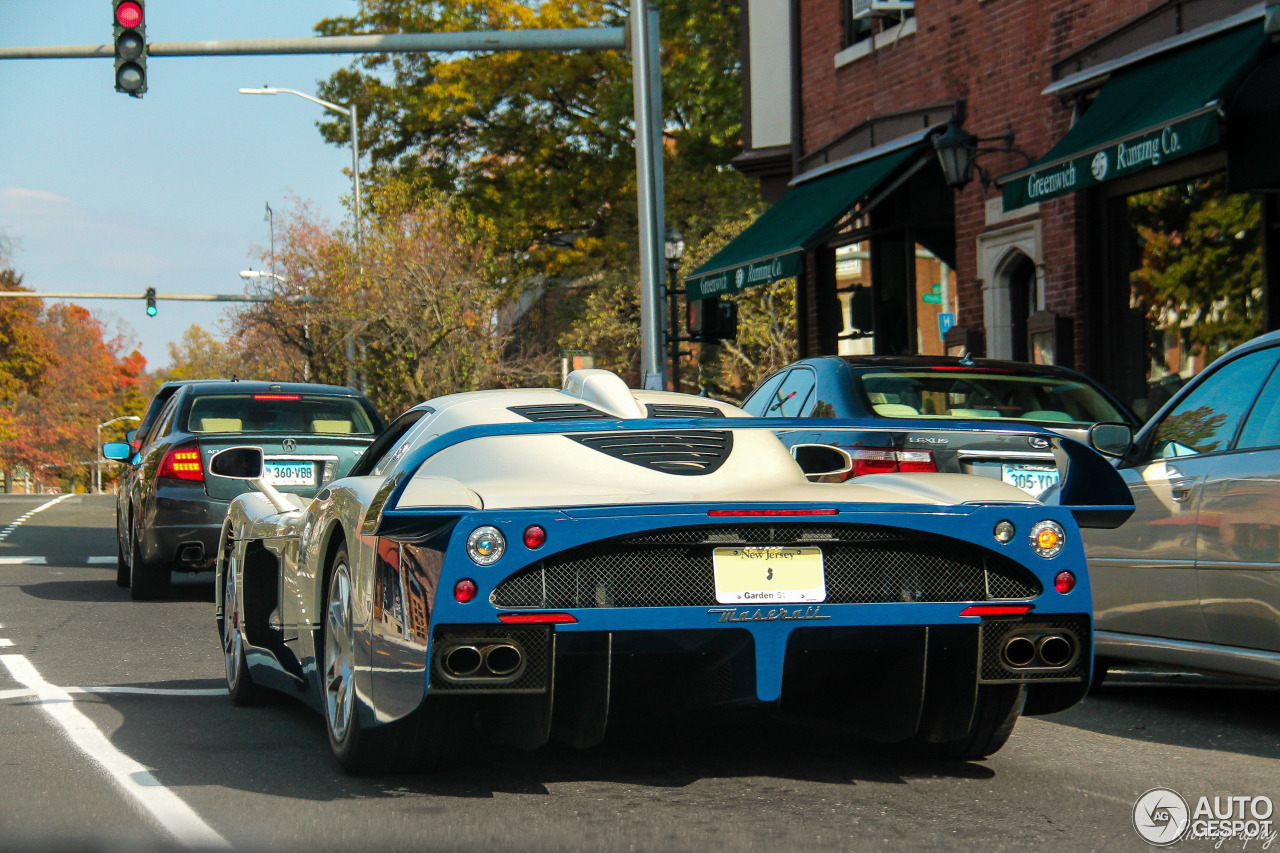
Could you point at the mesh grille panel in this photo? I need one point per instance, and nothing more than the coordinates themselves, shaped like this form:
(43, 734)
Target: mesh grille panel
(534, 643)
(994, 633)
(674, 569)
(694, 452)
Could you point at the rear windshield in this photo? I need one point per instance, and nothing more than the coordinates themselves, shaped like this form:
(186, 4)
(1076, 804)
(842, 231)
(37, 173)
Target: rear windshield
(296, 414)
(982, 394)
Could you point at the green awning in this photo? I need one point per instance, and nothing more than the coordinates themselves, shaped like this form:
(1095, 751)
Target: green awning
(771, 248)
(1159, 110)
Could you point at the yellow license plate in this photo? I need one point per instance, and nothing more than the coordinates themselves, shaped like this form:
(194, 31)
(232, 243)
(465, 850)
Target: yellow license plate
(769, 575)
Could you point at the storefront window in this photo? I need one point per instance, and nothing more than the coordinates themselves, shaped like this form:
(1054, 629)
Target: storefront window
(1197, 281)
(935, 301)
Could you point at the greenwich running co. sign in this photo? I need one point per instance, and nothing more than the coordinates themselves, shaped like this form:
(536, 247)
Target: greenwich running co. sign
(1116, 159)
(742, 276)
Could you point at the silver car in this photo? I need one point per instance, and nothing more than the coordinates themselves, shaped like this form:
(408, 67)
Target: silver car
(1192, 579)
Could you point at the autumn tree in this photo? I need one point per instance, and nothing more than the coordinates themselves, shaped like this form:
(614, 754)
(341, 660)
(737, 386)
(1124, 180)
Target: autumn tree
(57, 427)
(417, 313)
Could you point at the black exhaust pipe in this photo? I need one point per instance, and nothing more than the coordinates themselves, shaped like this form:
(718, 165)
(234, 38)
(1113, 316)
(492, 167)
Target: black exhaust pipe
(461, 661)
(502, 659)
(1055, 649)
(1018, 652)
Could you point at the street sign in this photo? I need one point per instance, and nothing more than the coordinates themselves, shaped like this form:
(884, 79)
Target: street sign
(937, 288)
(945, 322)
(932, 298)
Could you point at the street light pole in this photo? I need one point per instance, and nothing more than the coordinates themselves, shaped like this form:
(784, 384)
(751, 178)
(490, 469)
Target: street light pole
(97, 451)
(673, 248)
(349, 112)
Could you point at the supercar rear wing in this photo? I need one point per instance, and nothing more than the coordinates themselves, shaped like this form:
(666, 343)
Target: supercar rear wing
(1090, 488)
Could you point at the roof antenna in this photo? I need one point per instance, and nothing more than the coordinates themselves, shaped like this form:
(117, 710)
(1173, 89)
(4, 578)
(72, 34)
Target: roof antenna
(966, 359)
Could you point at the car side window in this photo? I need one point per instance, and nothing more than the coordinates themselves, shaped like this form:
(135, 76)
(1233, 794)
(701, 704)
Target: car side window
(792, 395)
(1262, 427)
(759, 401)
(1206, 420)
(386, 443)
(164, 423)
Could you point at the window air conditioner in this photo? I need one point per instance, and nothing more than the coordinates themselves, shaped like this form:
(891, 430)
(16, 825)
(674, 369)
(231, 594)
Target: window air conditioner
(881, 8)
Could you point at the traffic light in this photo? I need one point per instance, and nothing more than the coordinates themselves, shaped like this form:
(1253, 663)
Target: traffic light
(130, 27)
(151, 302)
(713, 320)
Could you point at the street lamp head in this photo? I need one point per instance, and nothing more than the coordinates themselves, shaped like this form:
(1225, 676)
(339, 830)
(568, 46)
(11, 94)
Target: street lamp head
(673, 244)
(263, 91)
(956, 149)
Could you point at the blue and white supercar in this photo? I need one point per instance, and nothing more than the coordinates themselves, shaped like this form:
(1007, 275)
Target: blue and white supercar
(537, 563)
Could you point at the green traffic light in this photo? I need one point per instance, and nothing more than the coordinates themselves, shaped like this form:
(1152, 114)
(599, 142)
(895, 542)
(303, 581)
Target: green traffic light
(150, 296)
(151, 310)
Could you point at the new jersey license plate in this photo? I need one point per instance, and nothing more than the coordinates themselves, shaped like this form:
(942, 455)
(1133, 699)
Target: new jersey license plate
(290, 473)
(769, 575)
(1035, 480)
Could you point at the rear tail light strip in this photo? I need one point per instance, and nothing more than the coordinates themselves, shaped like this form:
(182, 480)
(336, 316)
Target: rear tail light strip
(886, 460)
(182, 463)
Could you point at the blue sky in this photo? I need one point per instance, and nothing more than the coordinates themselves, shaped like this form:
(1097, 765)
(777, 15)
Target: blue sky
(106, 193)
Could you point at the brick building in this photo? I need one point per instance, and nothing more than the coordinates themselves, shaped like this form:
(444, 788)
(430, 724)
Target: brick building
(1085, 116)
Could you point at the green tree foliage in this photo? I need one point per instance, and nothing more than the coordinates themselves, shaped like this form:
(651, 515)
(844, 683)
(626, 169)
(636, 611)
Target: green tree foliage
(1201, 263)
(542, 143)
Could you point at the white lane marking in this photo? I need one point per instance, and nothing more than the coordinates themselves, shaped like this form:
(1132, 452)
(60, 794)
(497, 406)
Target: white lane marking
(44, 561)
(6, 643)
(110, 688)
(4, 534)
(175, 816)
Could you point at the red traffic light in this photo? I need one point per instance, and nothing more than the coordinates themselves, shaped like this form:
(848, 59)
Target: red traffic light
(129, 14)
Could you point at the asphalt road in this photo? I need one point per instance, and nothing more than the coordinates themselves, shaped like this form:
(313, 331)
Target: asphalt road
(116, 734)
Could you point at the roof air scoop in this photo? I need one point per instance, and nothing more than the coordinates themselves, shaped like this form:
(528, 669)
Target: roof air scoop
(605, 390)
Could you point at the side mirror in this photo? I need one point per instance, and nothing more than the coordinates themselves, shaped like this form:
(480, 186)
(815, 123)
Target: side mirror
(821, 460)
(1111, 439)
(117, 451)
(238, 463)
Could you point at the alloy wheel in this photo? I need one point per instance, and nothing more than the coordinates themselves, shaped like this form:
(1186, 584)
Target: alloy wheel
(232, 642)
(338, 654)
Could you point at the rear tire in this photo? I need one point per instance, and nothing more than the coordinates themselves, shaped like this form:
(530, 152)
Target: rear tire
(997, 710)
(146, 583)
(358, 749)
(122, 563)
(240, 685)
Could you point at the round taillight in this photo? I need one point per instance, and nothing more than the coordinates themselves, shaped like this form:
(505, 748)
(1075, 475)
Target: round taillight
(486, 545)
(534, 537)
(1064, 582)
(1047, 538)
(464, 590)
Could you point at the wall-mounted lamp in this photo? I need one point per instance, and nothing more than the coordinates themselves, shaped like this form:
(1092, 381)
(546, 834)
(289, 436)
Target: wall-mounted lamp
(958, 152)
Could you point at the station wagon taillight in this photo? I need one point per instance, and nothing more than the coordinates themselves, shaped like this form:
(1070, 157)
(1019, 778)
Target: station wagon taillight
(884, 460)
(182, 463)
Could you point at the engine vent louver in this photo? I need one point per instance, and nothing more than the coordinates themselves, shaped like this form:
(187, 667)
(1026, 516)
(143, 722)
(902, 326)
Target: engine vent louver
(560, 412)
(678, 410)
(686, 453)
